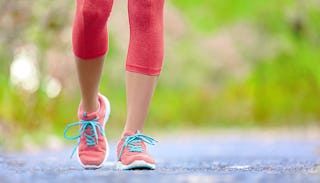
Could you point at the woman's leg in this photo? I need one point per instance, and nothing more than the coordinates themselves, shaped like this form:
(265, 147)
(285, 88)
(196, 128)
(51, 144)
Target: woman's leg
(89, 73)
(140, 89)
(90, 44)
(144, 60)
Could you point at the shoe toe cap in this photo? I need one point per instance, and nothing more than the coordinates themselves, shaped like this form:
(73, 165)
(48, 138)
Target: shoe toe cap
(91, 161)
(130, 159)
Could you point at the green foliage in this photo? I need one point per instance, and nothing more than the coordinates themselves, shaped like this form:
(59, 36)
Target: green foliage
(210, 15)
(281, 88)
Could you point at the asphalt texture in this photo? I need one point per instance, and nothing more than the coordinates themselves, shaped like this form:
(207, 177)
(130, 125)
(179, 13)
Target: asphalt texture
(187, 159)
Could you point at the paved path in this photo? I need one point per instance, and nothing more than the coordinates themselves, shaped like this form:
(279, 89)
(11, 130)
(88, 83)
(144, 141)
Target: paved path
(199, 159)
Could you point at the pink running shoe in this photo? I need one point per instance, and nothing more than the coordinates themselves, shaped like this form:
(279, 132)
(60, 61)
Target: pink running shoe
(92, 147)
(132, 152)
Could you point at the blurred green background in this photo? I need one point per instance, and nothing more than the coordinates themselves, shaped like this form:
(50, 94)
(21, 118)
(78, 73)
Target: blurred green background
(227, 64)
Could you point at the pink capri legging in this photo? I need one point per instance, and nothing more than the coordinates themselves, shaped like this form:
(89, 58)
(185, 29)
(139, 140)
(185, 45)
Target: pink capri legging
(145, 53)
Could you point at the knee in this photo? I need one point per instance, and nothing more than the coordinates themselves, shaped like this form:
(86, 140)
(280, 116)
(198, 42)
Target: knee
(89, 35)
(145, 53)
(144, 5)
(145, 12)
(94, 10)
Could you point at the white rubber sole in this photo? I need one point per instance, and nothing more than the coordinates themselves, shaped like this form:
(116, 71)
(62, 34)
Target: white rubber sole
(138, 164)
(105, 120)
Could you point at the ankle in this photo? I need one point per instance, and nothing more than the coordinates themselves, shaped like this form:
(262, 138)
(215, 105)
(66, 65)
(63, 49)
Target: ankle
(90, 107)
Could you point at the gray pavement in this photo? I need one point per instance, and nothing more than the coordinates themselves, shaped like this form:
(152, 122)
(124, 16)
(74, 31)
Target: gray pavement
(181, 159)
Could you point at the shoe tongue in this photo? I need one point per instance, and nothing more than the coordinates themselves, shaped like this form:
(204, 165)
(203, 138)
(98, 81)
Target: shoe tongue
(89, 116)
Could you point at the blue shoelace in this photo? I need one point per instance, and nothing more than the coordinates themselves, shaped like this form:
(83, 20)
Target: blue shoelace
(133, 141)
(91, 137)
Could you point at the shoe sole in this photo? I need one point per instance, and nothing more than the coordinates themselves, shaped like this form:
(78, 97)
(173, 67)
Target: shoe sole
(136, 165)
(105, 120)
